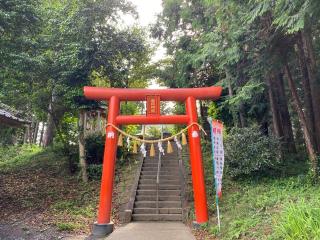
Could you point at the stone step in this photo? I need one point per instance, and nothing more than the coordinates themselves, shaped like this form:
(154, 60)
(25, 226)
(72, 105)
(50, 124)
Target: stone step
(161, 192)
(153, 204)
(162, 177)
(154, 211)
(155, 167)
(162, 181)
(176, 169)
(154, 198)
(157, 217)
(144, 172)
(161, 187)
(165, 158)
(155, 164)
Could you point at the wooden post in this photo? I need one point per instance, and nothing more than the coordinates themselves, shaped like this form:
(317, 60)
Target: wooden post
(41, 134)
(35, 133)
(82, 153)
(26, 134)
(30, 127)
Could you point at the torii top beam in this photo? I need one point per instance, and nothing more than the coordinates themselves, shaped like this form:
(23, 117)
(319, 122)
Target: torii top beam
(137, 94)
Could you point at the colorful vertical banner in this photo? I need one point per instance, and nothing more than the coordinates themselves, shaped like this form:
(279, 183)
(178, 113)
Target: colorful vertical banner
(217, 159)
(218, 155)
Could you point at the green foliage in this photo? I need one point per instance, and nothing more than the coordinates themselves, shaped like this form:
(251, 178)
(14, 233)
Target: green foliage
(213, 110)
(94, 171)
(299, 220)
(154, 132)
(95, 151)
(246, 93)
(258, 209)
(51, 49)
(17, 156)
(74, 207)
(69, 151)
(10, 135)
(247, 151)
(94, 148)
(67, 226)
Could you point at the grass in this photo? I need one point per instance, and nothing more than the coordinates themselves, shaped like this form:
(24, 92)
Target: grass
(67, 226)
(16, 156)
(265, 208)
(298, 221)
(36, 183)
(268, 209)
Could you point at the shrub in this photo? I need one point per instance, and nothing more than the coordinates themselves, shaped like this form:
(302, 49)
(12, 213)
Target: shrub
(248, 151)
(95, 149)
(71, 151)
(94, 171)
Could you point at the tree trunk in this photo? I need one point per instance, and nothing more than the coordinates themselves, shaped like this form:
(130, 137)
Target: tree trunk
(308, 105)
(26, 134)
(242, 118)
(30, 131)
(48, 137)
(307, 137)
(230, 90)
(35, 133)
(204, 116)
(285, 116)
(41, 134)
(277, 127)
(82, 153)
(314, 81)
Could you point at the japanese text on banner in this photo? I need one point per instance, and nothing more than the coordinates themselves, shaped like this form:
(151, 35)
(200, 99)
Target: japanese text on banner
(218, 154)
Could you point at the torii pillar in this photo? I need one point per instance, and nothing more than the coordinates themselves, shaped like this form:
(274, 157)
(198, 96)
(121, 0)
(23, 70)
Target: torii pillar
(104, 226)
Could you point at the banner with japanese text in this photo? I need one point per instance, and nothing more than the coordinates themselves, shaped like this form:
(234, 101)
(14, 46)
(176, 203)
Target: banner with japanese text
(218, 154)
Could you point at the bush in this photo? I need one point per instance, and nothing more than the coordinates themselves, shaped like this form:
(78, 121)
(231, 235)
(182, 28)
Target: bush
(94, 171)
(71, 151)
(95, 149)
(248, 151)
(10, 135)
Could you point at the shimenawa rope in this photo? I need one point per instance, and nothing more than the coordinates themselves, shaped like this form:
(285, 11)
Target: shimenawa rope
(158, 140)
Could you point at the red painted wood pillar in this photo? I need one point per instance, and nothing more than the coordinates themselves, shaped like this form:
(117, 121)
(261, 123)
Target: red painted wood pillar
(108, 169)
(199, 189)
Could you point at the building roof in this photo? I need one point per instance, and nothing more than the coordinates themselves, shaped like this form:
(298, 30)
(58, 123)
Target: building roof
(11, 117)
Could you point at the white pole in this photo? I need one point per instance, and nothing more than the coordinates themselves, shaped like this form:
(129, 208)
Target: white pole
(218, 215)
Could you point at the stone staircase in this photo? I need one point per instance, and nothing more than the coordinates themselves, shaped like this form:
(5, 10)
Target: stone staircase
(169, 193)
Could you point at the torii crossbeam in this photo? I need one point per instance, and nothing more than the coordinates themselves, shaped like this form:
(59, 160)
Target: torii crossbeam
(153, 116)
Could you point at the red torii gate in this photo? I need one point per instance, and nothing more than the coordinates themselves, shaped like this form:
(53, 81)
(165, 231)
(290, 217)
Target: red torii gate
(153, 98)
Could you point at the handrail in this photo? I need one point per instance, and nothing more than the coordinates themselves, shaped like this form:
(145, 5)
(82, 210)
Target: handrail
(158, 181)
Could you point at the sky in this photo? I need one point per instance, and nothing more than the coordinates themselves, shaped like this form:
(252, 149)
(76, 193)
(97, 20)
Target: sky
(148, 11)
